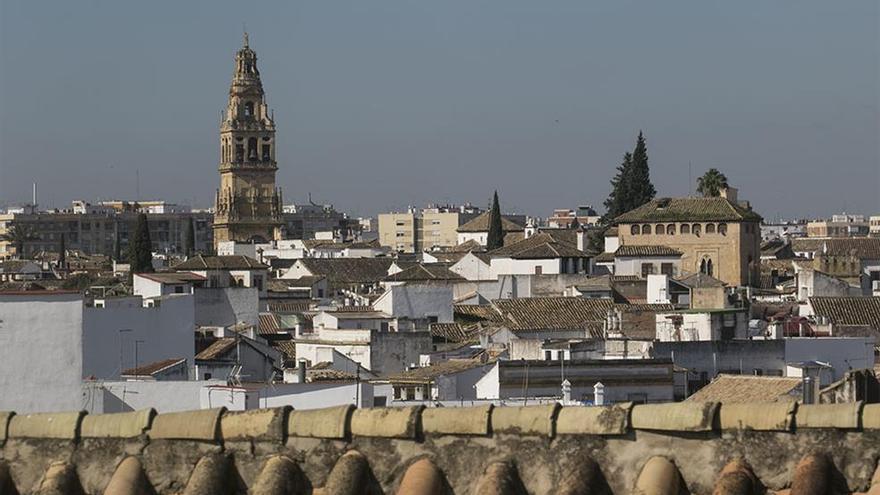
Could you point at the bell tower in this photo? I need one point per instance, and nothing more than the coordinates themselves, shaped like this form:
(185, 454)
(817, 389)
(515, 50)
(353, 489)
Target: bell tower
(248, 206)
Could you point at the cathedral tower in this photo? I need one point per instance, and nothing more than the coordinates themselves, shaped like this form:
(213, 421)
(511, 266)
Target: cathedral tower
(248, 205)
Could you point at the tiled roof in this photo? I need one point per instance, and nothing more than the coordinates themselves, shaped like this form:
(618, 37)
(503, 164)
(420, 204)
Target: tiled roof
(538, 246)
(231, 262)
(452, 332)
(604, 258)
(153, 368)
(860, 247)
(217, 349)
(553, 313)
(467, 246)
(848, 310)
(485, 312)
(424, 272)
(268, 324)
(290, 306)
(732, 389)
(626, 278)
(688, 210)
(348, 270)
(173, 277)
(428, 374)
(640, 251)
(701, 280)
(480, 223)
(15, 266)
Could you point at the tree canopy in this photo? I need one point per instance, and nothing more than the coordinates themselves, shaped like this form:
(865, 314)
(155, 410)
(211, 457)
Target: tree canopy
(712, 183)
(631, 187)
(495, 239)
(140, 252)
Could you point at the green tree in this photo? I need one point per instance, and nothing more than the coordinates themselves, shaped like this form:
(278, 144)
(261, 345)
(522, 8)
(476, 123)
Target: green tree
(711, 183)
(140, 252)
(189, 239)
(117, 247)
(495, 239)
(631, 187)
(18, 235)
(641, 188)
(62, 253)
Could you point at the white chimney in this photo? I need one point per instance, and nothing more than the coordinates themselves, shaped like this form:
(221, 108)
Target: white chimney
(599, 394)
(566, 392)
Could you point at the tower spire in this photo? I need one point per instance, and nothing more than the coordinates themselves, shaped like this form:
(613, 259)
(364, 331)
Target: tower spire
(246, 38)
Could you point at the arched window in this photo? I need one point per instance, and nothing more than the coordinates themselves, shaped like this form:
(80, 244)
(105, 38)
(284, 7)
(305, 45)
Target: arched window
(252, 149)
(646, 229)
(267, 152)
(703, 266)
(659, 229)
(695, 229)
(634, 230)
(709, 268)
(710, 228)
(722, 228)
(670, 229)
(685, 229)
(249, 109)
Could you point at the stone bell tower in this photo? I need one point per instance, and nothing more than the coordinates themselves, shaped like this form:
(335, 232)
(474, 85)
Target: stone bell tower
(248, 206)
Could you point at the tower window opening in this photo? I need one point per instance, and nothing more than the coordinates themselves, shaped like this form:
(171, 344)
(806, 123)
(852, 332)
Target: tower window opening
(252, 149)
(249, 109)
(239, 152)
(267, 152)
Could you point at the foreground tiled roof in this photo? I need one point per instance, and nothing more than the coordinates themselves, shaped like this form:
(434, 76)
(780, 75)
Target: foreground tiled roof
(427, 374)
(697, 448)
(348, 270)
(860, 247)
(217, 349)
(632, 250)
(539, 246)
(485, 312)
(848, 310)
(268, 324)
(421, 272)
(152, 368)
(480, 223)
(553, 313)
(231, 262)
(452, 332)
(290, 306)
(736, 389)
(688, 210)
(173, 277)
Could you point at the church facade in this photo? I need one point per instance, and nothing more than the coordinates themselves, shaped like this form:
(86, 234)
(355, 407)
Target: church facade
(248, 205)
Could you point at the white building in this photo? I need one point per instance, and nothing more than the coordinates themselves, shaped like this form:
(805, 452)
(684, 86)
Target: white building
(702, 324)
(50, 342)
(420, 303)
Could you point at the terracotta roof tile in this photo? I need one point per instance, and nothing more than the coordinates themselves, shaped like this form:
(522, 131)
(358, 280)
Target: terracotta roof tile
(747, 388)
(348, 270)
(217, 349)
(152, 368)
(424, 272)
(232, 262)
(640, 251)
(553, 313)
(480, 223)
(687, 210)
(860, 247)
(852, 311)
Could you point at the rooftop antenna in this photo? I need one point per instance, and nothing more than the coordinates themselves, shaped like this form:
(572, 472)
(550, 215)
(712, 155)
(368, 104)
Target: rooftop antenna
(34, 198)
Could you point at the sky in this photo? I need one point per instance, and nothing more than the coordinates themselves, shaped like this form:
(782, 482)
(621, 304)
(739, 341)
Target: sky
(384, 104)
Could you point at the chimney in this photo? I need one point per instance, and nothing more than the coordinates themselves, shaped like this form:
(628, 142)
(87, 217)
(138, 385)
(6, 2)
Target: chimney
(809, 390)
(730, 193)
(599, 394)
(566, 392)
(301, 371)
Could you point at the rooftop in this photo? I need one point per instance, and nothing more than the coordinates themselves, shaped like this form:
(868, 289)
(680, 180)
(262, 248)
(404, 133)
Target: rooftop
(688, 210)
(539, 246)
(421, 272)
(645, 251)
(850, 311)
(480, 223)
(859, 247)
(348, 270)
(427, 374)
(201, 262)
(153, 368)
(736, 389)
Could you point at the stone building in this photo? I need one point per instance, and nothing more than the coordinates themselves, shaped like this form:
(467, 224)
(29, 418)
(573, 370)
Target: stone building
(248, 205)
(716, 236)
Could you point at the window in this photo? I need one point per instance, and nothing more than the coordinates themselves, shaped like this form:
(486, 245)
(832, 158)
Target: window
(178, 289)
(695, 229)
(722, 228)
(539, 270)
(400, 234)
(685, 229)
(710, 228)
(667, 269)
(252, 148)
(634, 230)
(207, 376)
(670, 229)
(548, 356)
(249, 109)
(399, 223)
(646, 229)
(239, 153)
(267, 152)
(647, 269)
(258, 282)
(659, 229)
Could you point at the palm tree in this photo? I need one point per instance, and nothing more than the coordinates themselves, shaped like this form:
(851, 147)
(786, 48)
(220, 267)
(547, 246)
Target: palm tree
(17, 235)
(711, 183)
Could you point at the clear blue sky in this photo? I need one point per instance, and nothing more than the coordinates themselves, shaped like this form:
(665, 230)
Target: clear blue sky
(384, 104)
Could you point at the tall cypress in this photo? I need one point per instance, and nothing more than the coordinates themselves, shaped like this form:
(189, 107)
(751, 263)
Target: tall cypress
(495, 238)
(618, 200)
(140, 251)
(189, 239)
(641, 188)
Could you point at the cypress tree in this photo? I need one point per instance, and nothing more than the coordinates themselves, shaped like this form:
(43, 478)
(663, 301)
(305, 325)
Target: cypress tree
(140, 252)
(641, 188)
(117, 247)
(495, 238)
(189, 239)
(618, 200)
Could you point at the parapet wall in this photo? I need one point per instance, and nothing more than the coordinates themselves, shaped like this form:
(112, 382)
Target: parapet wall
(668, 448)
